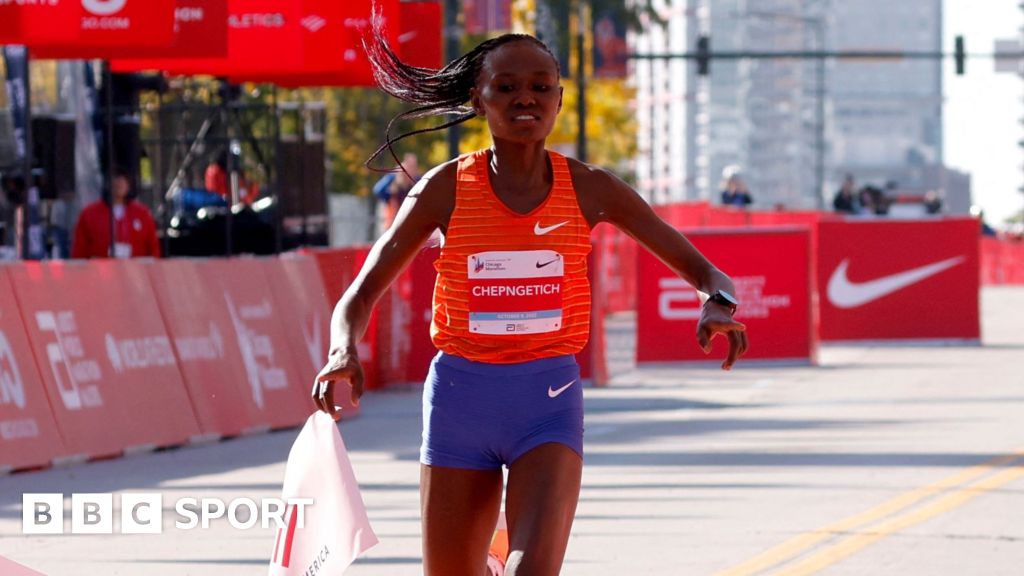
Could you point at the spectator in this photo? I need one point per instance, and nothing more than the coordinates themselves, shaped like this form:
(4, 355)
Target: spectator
(135, 230)
(932, 202)
(217, 180)
(216, 177)
(734, 189)
(845, 201)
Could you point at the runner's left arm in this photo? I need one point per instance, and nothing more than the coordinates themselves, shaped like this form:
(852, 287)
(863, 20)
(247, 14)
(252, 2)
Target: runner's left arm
(604, 197)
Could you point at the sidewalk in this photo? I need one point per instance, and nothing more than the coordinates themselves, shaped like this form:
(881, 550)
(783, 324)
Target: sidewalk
(688, 471)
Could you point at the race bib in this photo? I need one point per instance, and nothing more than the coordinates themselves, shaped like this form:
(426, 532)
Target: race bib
(515, 292)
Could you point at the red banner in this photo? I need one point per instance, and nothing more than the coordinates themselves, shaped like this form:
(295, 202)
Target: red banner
(882, 279)
(772, 273)
(206, 344)
(338, 268)
(1002, 261)
(84, 25)
(617, 267)
(200, 31)
(298, 292)
(275, 382)
(28, 433)
(275, 41)
(421, 312)
(105, 358)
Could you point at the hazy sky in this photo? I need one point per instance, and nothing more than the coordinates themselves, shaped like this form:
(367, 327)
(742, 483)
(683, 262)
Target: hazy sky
(983, 109)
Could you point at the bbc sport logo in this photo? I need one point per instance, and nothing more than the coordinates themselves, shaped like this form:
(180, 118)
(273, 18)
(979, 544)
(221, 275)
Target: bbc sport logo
(143, 513)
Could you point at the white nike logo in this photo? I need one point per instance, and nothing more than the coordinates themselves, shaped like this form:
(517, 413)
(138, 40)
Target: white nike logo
(542, 230)
(553, 393)
(845, 294)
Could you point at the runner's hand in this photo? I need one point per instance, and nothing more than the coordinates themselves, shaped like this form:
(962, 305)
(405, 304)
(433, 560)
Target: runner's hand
(341, 366)
(715, 320)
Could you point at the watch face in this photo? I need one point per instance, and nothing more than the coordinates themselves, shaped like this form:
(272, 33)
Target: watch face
(728, 297)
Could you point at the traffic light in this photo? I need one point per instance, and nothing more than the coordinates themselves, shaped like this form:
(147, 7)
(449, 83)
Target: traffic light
(960, 55)
(703, 55)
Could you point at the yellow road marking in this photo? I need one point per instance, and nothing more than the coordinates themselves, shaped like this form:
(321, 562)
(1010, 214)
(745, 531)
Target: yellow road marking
(857, 542)
(797, 545)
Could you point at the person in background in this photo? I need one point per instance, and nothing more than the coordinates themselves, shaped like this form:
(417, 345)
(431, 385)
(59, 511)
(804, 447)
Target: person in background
(845, 201)
(135, 229)
(734, 189)
(216, 176)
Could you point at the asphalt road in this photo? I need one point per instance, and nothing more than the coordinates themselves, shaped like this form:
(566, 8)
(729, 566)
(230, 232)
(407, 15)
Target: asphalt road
(902, 460)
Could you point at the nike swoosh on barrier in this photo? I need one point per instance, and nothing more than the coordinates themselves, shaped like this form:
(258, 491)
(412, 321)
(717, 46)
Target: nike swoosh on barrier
(845, 294)
(552, 393)
(542, 230)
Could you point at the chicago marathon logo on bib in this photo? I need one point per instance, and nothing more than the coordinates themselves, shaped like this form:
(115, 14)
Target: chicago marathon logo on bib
(515, 292)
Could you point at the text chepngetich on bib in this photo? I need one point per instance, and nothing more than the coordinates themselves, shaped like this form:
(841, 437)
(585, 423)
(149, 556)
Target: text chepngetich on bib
(515, 292)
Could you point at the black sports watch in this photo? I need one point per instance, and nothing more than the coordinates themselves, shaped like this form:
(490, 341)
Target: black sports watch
(723, 298)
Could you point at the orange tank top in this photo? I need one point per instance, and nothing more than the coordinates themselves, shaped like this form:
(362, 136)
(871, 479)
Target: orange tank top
(512, 287)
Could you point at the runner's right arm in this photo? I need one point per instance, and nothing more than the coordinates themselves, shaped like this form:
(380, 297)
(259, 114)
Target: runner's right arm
(428, 207)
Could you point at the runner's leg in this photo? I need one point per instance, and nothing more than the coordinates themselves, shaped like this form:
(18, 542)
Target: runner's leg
(543, 489)
(459, 508)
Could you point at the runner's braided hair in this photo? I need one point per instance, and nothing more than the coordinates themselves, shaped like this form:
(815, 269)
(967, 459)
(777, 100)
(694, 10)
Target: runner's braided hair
(443, 92)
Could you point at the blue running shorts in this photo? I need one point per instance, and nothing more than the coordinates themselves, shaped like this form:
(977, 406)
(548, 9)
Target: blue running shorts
(480, 416)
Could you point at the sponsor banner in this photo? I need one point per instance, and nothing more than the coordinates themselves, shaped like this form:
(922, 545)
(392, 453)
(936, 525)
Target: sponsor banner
(592, 358)
(1002, 261)
(885, 279)
(771, 269)
(338, 268)
(28, 433)
(79, 26)
(683, 214)
(617, 268)
(200, 31)
(33, 23)
(298, 293)
(106, 360)
(277, 385)
(207, 345)
(421, 310)
(420, 39)
(273, 41)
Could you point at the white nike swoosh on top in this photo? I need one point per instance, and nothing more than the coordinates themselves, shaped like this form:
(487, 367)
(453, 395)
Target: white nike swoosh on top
(845, 294)
(553, 393)
(542, 230)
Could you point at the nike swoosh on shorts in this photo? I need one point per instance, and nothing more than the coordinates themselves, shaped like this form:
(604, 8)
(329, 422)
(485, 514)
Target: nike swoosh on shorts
(554, 392)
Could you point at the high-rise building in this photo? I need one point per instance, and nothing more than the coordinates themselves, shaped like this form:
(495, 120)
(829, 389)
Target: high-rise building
(792, 126)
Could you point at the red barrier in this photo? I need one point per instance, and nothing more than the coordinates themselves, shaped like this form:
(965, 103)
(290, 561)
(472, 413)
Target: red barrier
(28, 433)
(592, 359)
(727, 217)
(617, 268)
(338, 268)
(298, 294)
(1002, 261)
(883, 279)
(274, 382)
(683, 214)
(206, 343)
(105, 357)
(774, 284)
(421, 309)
